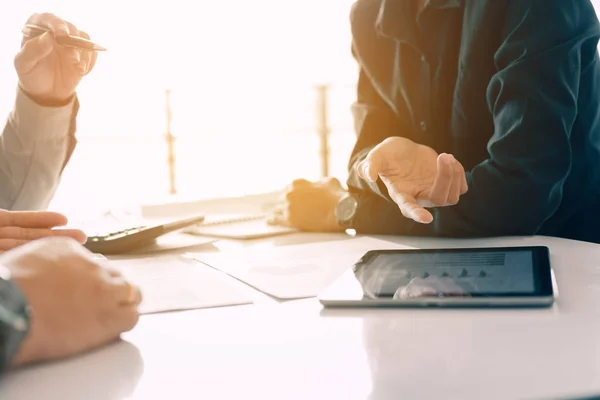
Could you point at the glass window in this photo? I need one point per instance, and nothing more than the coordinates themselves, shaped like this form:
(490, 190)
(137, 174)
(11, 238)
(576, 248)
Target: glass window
(242, 77)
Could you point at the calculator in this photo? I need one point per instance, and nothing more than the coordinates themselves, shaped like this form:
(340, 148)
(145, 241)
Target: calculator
(133, 238)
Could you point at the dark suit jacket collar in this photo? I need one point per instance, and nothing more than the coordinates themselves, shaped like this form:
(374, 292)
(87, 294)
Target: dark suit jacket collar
(397, 18)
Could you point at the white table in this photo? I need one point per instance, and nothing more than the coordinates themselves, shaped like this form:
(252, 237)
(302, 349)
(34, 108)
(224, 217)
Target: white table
(297, 350)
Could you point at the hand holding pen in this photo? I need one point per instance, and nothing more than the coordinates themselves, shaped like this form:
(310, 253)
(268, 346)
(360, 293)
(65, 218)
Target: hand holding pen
(54, 57)
(76, 42)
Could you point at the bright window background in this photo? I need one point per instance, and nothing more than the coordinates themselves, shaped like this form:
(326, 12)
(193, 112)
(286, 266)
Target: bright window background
(242, 75)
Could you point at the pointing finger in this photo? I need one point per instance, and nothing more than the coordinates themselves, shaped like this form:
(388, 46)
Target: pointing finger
(410, 208)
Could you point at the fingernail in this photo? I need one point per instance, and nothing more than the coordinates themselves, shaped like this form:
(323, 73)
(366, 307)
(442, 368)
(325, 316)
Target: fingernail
(368, 174)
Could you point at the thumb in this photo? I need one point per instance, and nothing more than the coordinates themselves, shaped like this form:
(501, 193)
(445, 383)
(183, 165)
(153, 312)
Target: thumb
(32, 52)
(370, 168)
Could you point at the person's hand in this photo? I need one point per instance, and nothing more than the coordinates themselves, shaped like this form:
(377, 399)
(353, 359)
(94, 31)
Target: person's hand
(77, 304)
(20, 227)
(415, 175)
(48, 72)
(310, 206)
(430, 287)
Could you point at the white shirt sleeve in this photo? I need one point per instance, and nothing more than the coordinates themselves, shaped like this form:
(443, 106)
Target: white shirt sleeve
(35, 145)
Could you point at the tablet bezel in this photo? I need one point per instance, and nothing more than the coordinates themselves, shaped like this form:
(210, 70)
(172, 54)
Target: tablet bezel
(544, 294)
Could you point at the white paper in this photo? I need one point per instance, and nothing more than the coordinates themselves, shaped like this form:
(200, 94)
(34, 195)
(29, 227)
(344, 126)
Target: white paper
(172, 283)
(298, 271)
(174, 241)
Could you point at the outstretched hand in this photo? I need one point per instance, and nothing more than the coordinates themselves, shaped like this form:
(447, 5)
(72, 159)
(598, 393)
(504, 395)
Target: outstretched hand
(20, 227)
(415, 175)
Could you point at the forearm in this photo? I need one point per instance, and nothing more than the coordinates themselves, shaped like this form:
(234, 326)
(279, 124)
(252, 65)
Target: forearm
(34, 147)
(495, 205)
(374, 121)
(372, 124)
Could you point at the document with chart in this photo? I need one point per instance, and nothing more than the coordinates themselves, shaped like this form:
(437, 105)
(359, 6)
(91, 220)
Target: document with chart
(296, 271)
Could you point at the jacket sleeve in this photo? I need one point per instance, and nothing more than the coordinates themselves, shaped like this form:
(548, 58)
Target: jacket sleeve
(533, 99)
(374, 119)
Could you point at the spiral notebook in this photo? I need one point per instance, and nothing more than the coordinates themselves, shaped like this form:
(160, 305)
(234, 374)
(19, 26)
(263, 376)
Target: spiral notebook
(238, 226)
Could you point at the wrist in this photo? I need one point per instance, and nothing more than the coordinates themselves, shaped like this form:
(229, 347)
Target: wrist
(23, 356)
(333, 223)
(35, 123)
(14, 320)
(345, 211)
(47, 101)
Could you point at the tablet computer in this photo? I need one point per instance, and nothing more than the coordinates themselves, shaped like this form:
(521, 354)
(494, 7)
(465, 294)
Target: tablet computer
(464, 277)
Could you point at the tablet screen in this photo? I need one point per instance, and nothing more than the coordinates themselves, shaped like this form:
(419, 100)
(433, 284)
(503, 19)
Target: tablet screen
(499, 272)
